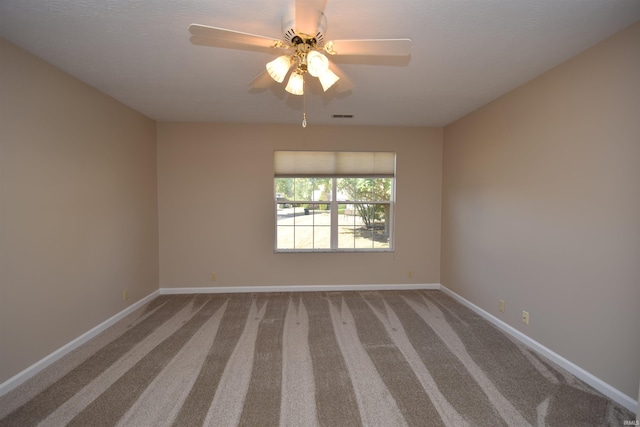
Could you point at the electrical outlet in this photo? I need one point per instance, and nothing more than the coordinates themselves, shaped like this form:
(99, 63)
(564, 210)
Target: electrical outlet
(410, 274)
(213, 277)
(525, 317)
(502, 305)
(125, 295)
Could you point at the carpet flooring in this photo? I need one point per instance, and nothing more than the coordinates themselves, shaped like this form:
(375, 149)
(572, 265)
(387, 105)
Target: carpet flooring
(387, 358)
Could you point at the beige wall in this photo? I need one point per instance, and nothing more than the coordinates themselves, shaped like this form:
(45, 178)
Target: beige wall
(78, 208)
(216, 209)
(541, 207)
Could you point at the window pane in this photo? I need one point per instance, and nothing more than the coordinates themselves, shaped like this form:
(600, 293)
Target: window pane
(346, 214)
(284, 214)
(382, 189)
(323, 189)
(303, 188)
(321, 215)
(365, 189)
(304, 237)
(284, 189)
(300, 214)
(347, 188)
(322, 237)
(285, 237)
(364, 238)
(346, 237)
(381, 239)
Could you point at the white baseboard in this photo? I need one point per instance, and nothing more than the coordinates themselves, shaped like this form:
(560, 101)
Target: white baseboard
(23, 376)
(308, 288)
(32, 370)
(585, 376)
(595, 382)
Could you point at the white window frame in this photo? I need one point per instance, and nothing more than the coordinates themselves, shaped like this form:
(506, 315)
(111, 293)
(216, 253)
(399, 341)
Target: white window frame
(366, 170)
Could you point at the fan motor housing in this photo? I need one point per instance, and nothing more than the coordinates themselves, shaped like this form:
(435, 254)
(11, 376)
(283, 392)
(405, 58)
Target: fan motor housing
(293, 37)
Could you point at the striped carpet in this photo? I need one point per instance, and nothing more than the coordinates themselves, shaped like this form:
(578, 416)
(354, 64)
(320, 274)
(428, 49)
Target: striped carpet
(390, 358)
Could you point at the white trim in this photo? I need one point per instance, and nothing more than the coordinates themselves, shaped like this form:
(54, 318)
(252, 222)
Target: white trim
(585, 376)
(23, 376)
(307, 288)
(595, 382)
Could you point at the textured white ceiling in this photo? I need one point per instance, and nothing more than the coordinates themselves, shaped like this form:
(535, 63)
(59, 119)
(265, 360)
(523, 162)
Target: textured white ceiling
(465, 53)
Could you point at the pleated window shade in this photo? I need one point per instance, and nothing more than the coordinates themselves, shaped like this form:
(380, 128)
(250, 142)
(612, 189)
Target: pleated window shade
(334, 163)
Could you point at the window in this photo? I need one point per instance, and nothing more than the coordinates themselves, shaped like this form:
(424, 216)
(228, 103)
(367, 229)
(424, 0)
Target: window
(334, 201)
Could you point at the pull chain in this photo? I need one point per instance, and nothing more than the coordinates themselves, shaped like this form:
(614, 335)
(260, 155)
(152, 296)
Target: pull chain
(304, 107)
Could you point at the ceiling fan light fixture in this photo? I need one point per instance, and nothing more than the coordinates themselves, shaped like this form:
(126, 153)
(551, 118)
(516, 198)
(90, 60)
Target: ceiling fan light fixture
(279, 67)
(317, 63)
(328, 79)
(295, 86)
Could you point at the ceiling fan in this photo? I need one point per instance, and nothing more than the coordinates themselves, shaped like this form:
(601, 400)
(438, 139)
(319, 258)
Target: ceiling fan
(303, 46)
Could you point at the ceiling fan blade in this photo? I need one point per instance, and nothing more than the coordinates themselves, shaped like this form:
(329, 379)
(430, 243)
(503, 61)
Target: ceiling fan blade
(309, 16)
(228, 44)
(371, 47)
(201, 32)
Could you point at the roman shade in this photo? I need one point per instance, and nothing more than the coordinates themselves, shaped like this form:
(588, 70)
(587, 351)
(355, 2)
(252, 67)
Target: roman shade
(334, 164)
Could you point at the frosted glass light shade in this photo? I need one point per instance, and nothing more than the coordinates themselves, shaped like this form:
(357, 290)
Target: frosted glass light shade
(295, 86)
(279, 67)
(328, 79)
(317, 63)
